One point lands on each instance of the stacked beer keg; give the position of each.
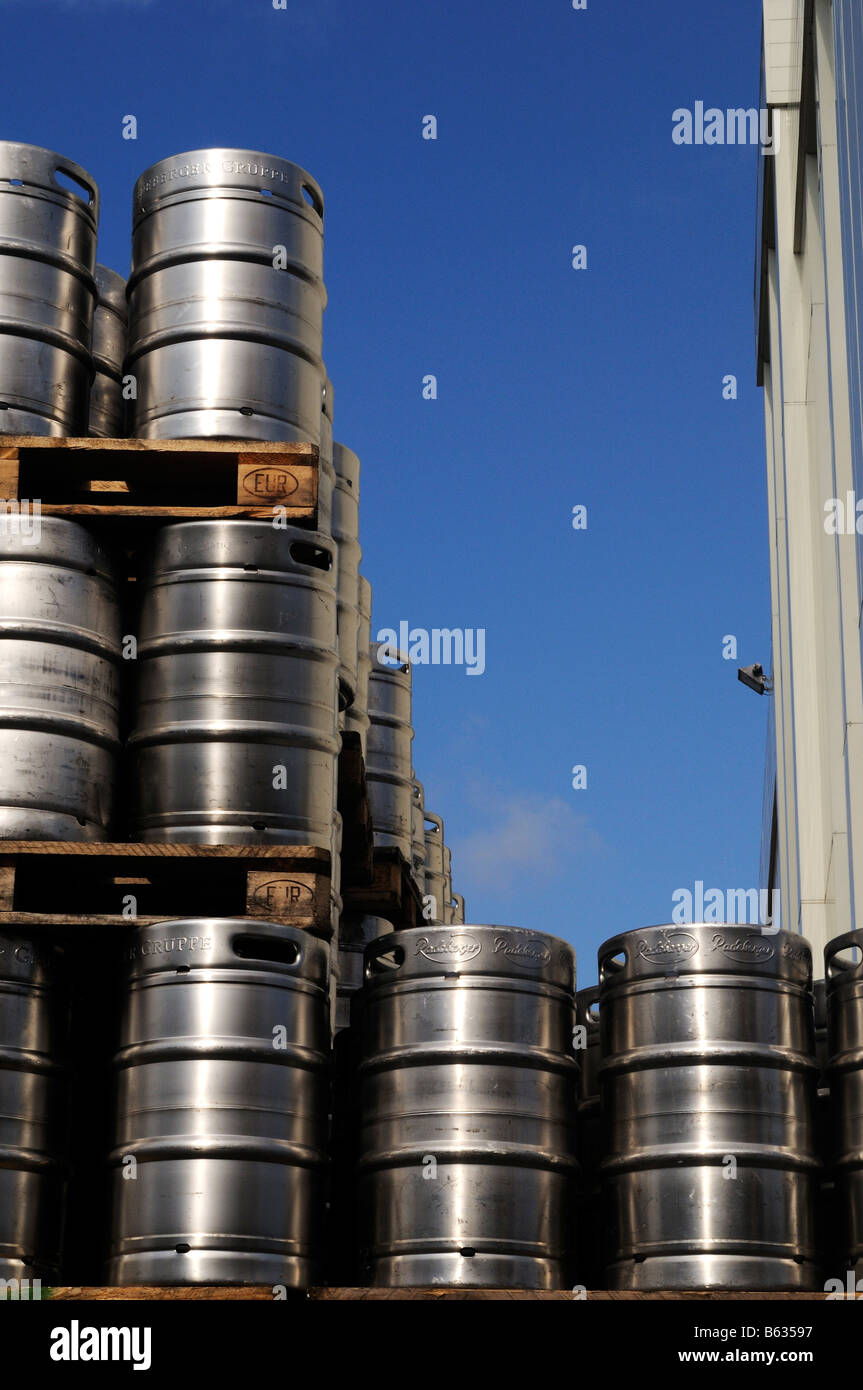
(467, 1105)
(250, 653)
(708, 1081)
(844, 971)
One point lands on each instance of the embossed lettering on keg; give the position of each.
(48, 235)
(222, 1104)
(346, 530)
(226, 298)
(59, 699)
(110, 331)
(388, 761)
(467, 1063)
(234, 736)
(33, 1103)
(844, 972)
(435, 875)
(356, 717)
(707, 1060)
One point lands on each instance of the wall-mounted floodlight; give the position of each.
(754, 677)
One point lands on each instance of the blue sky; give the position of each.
(556, 387)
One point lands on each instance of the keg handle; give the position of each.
(78, 184)
(375, 965)
(257, 944)
(612, 963)
(836, 967)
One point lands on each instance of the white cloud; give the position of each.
(527, 838)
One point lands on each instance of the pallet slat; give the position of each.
(151, 478)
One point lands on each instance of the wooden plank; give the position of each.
(7, 884)
(85, 849)
(452, 1295)
(163, 1293)
(298, 452)
(8, 472)
(191, 513)
(262, 479)
(296, 899)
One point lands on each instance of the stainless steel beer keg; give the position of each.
(467, 1108)
(388, 760)
(226, 298)
(355, 934)
(33, 1104)
(346, 530)
(221, 1112)
(589, 1127)
(326, 468)
(59, 699)
(844, 971)
(356, 717)
(110, 332)
(435, 876)
(708, 1093)
(234, 736)
(49, 217)
(418, 835)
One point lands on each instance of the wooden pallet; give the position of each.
(161, 479)
(47, 884)
(264, 1294)
(390, 892)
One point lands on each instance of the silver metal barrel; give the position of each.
(346, 531)
(326, 468)
(435, 875)
(844, 971)
(49, 217)
(355, 934)
(110, 332)
(234, 736)
(226, 298)
(221, 1112)
(33, 1102)
(357, 716)
(468, 1078)
(589, 1128)
(418, 836)
(708, 1094)
(59, 700)
(388, 759)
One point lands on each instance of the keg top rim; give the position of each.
(676, 948)
(463, 949)
(211, 942)
(63, 543)
(37, 167)
(288, 180)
